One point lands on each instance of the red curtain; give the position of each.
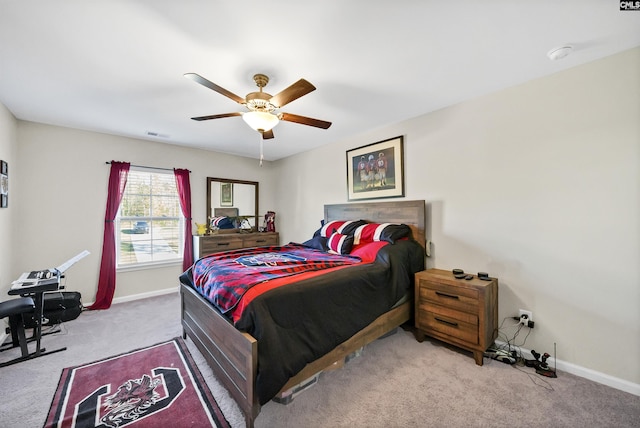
(184, 193)
(107, 279)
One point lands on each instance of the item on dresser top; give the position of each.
(270, 221)
(201, 228)
(221, 223)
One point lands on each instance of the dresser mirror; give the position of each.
(236, 199)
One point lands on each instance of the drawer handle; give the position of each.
(260, 240)
(452, 324)
(223, 244)
(450, 296)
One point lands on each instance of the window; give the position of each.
(149, 225)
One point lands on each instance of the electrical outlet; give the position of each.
(529, 318)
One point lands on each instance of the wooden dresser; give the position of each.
(208, 244)
(461, 312)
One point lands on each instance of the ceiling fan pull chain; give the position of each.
(261, 148)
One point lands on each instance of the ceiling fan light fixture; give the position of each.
(260, 121)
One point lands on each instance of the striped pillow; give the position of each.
(221, 223)
(340, 244)
(373, 232)
(345, 227)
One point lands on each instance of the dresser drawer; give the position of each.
(216, 245)
(463, 299)
(460, 325)
(260, 241)
(209, 244)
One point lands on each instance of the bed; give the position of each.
(234, 354)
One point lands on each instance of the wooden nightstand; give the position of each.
(461, 312)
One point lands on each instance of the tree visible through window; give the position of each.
(149, 224)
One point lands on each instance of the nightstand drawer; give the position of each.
(261, 241)
(443, 322)
(464, 299)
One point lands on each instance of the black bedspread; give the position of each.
(298, 323)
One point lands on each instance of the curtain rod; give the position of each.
(149, 167)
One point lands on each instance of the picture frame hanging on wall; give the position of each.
(4, 184)
(376, 170)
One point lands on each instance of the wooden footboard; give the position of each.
(231, 354)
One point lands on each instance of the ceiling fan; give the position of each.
(263, 108)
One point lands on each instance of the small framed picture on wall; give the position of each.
(4, 184)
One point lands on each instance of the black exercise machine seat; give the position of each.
(15, 309)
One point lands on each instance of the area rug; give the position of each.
(158, 386)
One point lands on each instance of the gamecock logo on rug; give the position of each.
(133, 400)
(156, 386)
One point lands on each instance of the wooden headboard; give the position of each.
(225, 212)
(411, 213)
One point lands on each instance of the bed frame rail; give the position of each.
(381, 326)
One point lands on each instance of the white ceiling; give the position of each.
(117, 66)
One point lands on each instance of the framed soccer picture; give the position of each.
(376, 170)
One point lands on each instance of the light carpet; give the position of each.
(396, 382)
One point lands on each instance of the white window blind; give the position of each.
(149, 224)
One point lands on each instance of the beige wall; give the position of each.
(539, 185)
(61, 191)
(8, 147)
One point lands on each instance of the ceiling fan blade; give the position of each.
(217, 116)
(293, 92)
(204, 82)
(304, 120)
(267, 135)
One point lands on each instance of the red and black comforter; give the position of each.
(297, 323)
(223, 278)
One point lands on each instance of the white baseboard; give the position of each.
(604, 379)
(139, 296)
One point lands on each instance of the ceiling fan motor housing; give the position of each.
(259, 101)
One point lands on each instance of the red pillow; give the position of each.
(367, 252)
